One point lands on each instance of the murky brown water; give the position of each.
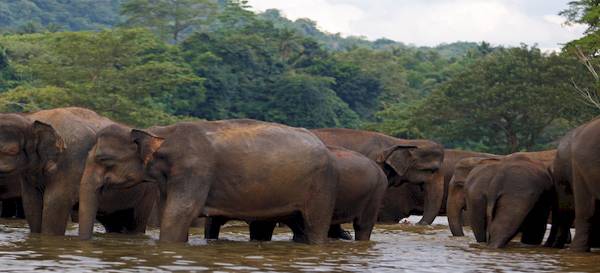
(395, 248)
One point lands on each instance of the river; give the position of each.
(394, 248)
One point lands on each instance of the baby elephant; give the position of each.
(360, 192)
(512, 196)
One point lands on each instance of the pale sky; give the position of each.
(431, 22)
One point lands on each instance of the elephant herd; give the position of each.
(72, 162)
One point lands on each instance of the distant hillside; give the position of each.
(21, 15)
(336, 42)
(75, 15)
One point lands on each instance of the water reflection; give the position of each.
(394, 248)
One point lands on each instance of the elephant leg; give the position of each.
(534, 227)
(32, 206)
(58, 203)
(363, 229)
(212, 227)
(337, 232)
(506, 221)
(262, 230)
(144, 208)
(154, 218)
(560, 233)
(476, 210)
(296, 224)
(584, 213)
(364, 223)
(177, 219)
(317, 214)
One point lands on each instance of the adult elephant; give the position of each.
(240, 169)
(577, 173)
(43, 155)
(45, 152)
(510, 195)
(408, 199)
(361, 187)
(412, 161)
(456, 202)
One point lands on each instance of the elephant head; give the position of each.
(456, 202)
(119, 159)
(417, 164)
(25, 146)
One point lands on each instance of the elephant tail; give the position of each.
(491, 206)
(494, 194)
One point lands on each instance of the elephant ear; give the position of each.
(398, 157)
(48, 145)
(147, 144)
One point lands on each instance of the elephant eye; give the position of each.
(106, 161)
(429, 170)
(12, 149)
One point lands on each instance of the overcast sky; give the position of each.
(431, 22)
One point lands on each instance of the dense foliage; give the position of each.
(33, 15)
(214, 59)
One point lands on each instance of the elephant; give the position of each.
(412, 161)
(408, 199)
(456, 190)
(401, 202)
(507, 196)
(451, 158)
(239, 169)
(576, 172)
(45, 152)
(361, 187)
(43, 160)
(456, 203)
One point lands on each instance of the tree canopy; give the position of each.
(147, 62)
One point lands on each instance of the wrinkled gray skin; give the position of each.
(577, 172)
(404, 161)
(456, 203)
(456, 193)
(239, 169)
(408, 199)
(360, 193)
(451, 158)
(362, 185)
(45, 151)
(510, 196)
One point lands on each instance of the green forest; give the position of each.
(145, 63)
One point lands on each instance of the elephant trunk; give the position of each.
(434, 195)
(88, 200)
(455, 206)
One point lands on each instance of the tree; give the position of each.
(308, 101)
(503, 102)
(587, 48)
(585, 12)
(170, 19)
(72, 15)
(128, 75)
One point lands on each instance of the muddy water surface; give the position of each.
(397, 248)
